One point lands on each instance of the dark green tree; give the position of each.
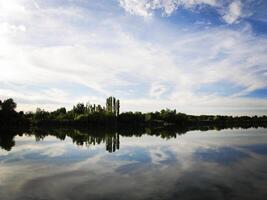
(79, 108)
(113, 105)
(41, 115)
(8, 105)
(109, 101)
(117, 107)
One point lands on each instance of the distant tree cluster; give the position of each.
(80, 114)
(113, 105)
(91, 114)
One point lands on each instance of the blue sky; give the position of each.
(197, 56)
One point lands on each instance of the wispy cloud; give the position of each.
(145, 8)
(230, 12)
(46, 47)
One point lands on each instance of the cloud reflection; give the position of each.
(199, 166)
(223, 155)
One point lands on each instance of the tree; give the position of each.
(41, 114)
(117, 107)
(79, 108)
(109, 104)
(58, 114)
(8, 105)
(113, 105)
(88, 108)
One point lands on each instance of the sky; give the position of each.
(195, 56)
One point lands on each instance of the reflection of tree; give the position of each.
(93, 136)
(113, 143)
(89, 137)
(83, 137)
(102, 135)
(7, 142)
(111, 140)
(7, 138)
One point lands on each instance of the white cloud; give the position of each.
(234, 12)
(11, 7)
(136, 7)
(145, 8)
(54, 152)
(107, 54)
(9, 28)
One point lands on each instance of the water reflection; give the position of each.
(96, 136)
(144, 164)
(223, 156)
(258, 149)
(87, 137)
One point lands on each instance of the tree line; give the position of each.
(80, 114)
(109, 115)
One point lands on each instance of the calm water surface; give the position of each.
(227, 164)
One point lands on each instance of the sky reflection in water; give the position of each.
(228, 164)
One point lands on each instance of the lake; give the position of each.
(71, 164)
